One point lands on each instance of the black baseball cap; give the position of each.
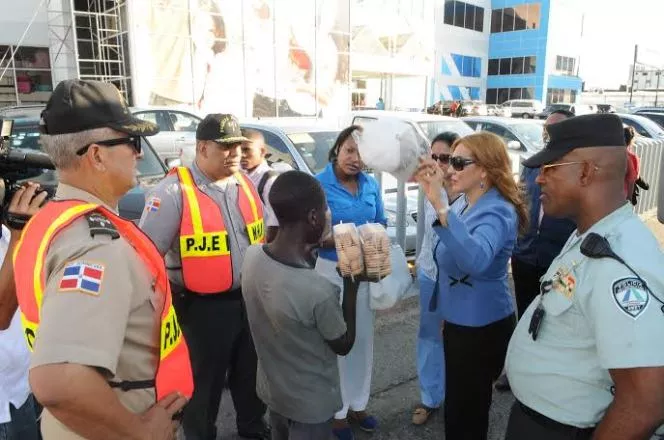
(222, 128)
(594, 130)
(77, 105)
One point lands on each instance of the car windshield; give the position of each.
(433, 128)
(314, 147)
(531, 134)
(25, 134)
(650, 125)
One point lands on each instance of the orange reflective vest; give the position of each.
(174, 367)
(204, 246)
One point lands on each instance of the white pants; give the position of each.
(356, 367)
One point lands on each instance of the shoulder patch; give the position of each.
(82, 276)
(631, 296)
(153, 204)
(99, 224)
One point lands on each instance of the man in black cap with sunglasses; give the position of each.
(203, 218)
(587, 358)
(90, 286)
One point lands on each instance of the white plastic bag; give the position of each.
(386, 293)
(349, 249)
(390, 145)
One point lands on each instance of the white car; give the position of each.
(177, 132)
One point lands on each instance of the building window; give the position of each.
(500, 95)
(565, 65)
(464, 15)
(517, 18)
(512, 66)
(27, 79)
(555, 96)
(468, 66)
(457, 93)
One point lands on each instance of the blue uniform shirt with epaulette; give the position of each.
(598, 316)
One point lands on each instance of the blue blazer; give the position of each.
(472, 256)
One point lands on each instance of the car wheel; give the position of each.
(525, 116)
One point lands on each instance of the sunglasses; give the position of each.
(459, 163)
(442, 158)
(132, 141)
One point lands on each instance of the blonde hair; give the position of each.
(490, 152)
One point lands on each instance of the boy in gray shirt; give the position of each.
(296, 321)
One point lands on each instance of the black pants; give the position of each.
(217, 333)
(474, 358)
(526, 283)
(523, 426)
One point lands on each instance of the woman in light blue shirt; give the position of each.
(475, 244)
(430, 358)
(353, 197)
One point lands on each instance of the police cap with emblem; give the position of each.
(77, 105)
(222, 128)
(595, 130)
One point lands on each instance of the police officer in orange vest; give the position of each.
(203, 218)
(108, 356)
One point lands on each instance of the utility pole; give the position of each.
(636, 55)
(659, 74)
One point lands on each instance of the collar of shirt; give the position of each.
(327, 176)
(260, 169)
(68, 192)
(202, 180)
(602, 227)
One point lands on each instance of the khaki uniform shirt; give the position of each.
(116, 330)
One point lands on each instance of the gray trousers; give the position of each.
(287, 429)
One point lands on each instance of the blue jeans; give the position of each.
(23, 425)
(430, 353)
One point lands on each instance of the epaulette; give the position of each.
(99, 224)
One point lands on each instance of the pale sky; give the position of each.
(611, 29)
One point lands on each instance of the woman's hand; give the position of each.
(431, 180)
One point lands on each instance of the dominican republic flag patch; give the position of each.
(83, 277)
(153, 204)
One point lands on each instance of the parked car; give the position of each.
(151, 169)
(498, 110)
(474, 108)
(648, 110)
(605, 108)
(177, 131)
(643, 126)
(524, 108)
(304, 145)
(523, 138)
(654, 116)
(575, 109)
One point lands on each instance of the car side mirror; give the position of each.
(514, 145)
(173, 162)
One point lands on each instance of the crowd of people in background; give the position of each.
(230, 280)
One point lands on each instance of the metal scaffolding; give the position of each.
(89, 40)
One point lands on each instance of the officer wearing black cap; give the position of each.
(203, 218)
(88, 290)
(587, 357)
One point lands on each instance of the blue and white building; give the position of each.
(496, 50)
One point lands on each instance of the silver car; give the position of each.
(177, 131)
(304, 145)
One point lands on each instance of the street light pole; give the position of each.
(631, 87)
(659, 75)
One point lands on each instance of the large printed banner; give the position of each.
(248, 57)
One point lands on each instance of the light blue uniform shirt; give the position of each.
(425, 260)
(472, 259)
(598, 316)
(364, 207)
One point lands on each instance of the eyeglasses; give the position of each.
(132, 141)
(459, 163)
(442, 158)
(538, 314)
(544, 168)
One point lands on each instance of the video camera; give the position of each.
(17, 165)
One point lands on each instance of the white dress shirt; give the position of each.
(255, 176)
(14, 357)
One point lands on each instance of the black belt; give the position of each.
(128, 385)
(553, 425)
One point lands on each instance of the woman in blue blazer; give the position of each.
(476, 240)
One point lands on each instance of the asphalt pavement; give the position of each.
(394, 387)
